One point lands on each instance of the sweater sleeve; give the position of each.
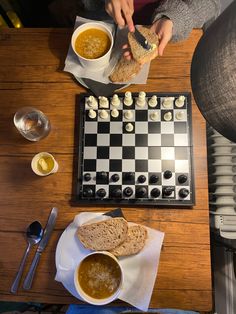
(187, 15)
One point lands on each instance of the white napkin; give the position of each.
(73, 65)
(140, 270)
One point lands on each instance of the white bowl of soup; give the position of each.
(92, 42)
(99, 278)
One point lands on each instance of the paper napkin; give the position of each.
(140, 270)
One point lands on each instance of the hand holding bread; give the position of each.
(126, 69)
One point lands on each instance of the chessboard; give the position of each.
(135, 149)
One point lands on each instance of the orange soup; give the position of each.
(99, 276)
(92, 43)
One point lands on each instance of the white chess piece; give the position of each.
(168, 102)
(179, 115)
(128, 114)
(180, 101)
(103, 102)
(129, 127)
(114, 113)
(103, 114)
(168, 116)
(128, 100)
(92, 114)
(141, 99)
(115, 101)
(92, 102)
(154, 115)
(152, 101)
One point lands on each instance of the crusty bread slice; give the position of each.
(125, 70)
(140, 54)
(134, 242)
(103, 235)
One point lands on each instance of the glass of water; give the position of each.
(32, 123)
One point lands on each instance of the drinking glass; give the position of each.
(32, 123)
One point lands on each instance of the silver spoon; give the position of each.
(34, 234)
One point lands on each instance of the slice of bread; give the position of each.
(134, 242)
(140, 54)
(103, 235)
(124, 70)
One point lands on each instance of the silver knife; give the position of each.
(141, 39)
(42, 244)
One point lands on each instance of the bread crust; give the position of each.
(140, 54)
(124, 70)
(134, 242)
(103, 235)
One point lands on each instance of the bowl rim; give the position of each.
(90, 299)
(79, 29)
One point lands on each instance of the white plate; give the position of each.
(69, 253)
(81, 81)
(138, 281)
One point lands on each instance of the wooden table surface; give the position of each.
(31, 63)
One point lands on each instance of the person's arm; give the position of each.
(187, 15)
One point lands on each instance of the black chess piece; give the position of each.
(167, 174)
(141, 178)
(155, 192)
(129, 176)
(183, 193)
(141, 192)
(101, 193)
(87, 177)
(116, 193)
(167, 191)
(115, 177)
(87, 192)
(182, 178)
(128, 191)
(102, 177)
(154, 178)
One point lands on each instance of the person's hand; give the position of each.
(121, 11)
(163, 28)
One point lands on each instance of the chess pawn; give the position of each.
(115, 113)
(154, 115)
(103, 102)
(168, 102)
(180, 101)
(129, 127)
(141, 99)
(115, 101)
(128, 115)
(168, 116)
(92, 102)
(103, 114)
(152, 101)
(128, 100)
(179, 115)
(92, 114)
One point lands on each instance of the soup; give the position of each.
(92, 43)
(99, 276)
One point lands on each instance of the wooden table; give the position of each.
(31, 63)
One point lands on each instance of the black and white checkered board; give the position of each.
(151, 165)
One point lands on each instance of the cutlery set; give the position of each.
(35, 234)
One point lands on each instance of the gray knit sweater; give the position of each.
(185, 14)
